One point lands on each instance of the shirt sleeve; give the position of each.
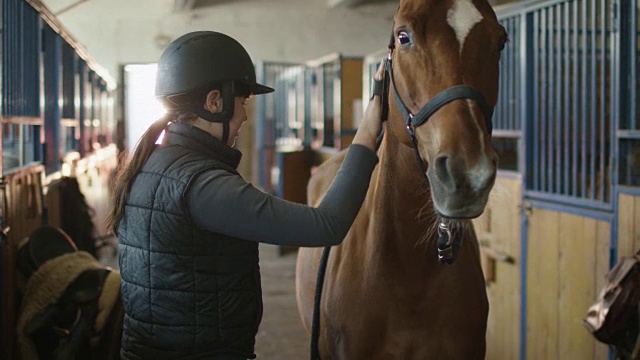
(224, 203)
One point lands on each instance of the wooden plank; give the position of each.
(248, 166)
(636, 222)
(24, 213)
(626, 227)
(603, 242)
(542, 285)
(350, 97)
(10, 303)
(577, 246)
(351, 90)
(501, 225)
(296, 171)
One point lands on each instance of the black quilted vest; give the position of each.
(186, 292)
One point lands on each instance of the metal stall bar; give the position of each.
(604, 108)
(82, 110)
(570, 142)
(542, 119)
(557, 144)
(549, 92)
(93, 111)
(585, 102)
(20, 72)
(330, 73)
(532, 148)
(506, 121)
(633, 69)
(505, 118)
(271, 116)
(575, 106)
(52, 89)
(566, 123)
(70, 98)
(628, 129)
(69, 81)
(20, 84)
(593, 100)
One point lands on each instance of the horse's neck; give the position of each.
(403, 217)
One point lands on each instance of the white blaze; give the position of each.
(462, 17)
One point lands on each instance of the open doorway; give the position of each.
(140, 105)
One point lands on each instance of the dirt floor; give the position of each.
(281, 335)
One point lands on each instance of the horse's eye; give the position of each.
(403, 38)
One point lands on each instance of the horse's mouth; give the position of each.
(460, 214)
(460, 217)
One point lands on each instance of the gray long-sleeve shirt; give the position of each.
(223, 202)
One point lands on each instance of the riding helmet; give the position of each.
(198, 59)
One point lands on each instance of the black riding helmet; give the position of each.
(197, 62)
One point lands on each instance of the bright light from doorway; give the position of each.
(141, 106)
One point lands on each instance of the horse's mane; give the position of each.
(76, 215)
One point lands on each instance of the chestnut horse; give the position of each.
(386, 295)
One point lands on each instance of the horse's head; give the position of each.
(436, 46)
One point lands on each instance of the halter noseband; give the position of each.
(447, 239)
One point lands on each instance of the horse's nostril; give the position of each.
(443, 172)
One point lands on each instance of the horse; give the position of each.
(76, 214)
(386, 294)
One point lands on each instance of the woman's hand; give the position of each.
(371, 124)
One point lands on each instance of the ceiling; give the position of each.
(135, 31)
(151, 7)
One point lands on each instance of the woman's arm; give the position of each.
(224, 203)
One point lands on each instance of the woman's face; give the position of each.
(239, 117)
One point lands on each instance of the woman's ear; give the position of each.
(213, 102)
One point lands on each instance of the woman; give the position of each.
(188, 225)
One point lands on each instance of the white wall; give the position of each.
(118, 32)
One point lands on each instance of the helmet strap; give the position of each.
(228, 105)
(225, 132)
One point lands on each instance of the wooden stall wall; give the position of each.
(567, 258)
(335, 95)
(628, 224)
(246, 144)
(350, 99)
(281, 123)
(41, 135)
(23, 214)
(498, 231)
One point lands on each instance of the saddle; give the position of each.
(63, 297)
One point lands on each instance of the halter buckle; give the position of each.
(410, 127)
(445, 243)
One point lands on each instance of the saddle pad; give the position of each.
(45, 287)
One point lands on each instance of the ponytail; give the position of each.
(128, 170)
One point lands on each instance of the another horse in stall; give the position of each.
(386, 296)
